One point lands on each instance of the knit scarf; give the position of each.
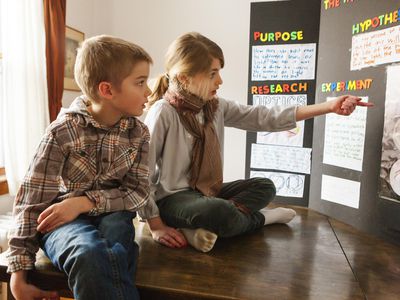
(206, 166)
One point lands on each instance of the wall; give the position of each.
(82, 15)
(154, 24)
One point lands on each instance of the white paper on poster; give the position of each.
(283, 62)
(344, 138)
(375, 48)
(293, 137)
(287, 184)
(292, 159)
(341, 191)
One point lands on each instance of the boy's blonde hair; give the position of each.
(189, 54)
(106, 58)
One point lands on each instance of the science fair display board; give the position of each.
(282, 68)
(345, 167)
(356, 159)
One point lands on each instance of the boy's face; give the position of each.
(206, 84)
(131, 97)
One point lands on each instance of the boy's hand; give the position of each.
(166, 235)
(24, 291)
(345, 105)
(63, 212)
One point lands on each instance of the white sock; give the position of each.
(278, 215)
(200, 239)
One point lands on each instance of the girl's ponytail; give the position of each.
(159, 89)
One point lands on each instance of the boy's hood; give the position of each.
(78, 106)
(79, 113)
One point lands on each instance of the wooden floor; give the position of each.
(314, 257)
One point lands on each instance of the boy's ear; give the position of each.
(105, 89)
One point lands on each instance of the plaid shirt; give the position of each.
(77, 156)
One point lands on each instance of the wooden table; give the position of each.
(314, 257)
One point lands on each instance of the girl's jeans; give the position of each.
(234, 211)
(98, 254)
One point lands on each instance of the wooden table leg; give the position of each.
(9, 294)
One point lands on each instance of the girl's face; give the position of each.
(205, 85)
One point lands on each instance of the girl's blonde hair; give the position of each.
(106, 58)
(190, 54)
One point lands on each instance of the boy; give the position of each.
(88, 178)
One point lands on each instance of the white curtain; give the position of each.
(1, 110)
(1, 89)
(24, 106)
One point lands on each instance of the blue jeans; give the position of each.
(234, 211)
(98, 254)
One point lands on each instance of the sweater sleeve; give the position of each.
(157, 128)
(258, 118)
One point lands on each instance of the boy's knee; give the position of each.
(93, 258)
(87, 254)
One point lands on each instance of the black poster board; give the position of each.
(283, 23)
(339, 25)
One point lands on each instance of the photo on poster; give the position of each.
(389, 187)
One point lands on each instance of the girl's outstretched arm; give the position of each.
(343, 105)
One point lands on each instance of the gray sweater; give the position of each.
(171, 144)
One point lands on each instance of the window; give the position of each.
(23, 41)
(3, 180)
(1, 125)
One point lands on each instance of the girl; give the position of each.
(186, 122)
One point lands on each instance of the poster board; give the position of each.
(282, 68)
(359, 53)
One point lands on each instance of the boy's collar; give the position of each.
(123, 124)
(86, 118)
